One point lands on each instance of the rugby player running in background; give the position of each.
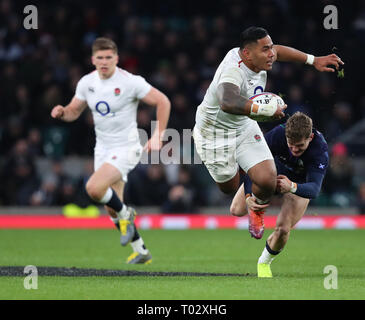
(301, 158)
(226, 134)
(113, 95)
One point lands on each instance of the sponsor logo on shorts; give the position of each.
(257, 137)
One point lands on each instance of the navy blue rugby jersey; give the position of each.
(307, 170)
(315, 158)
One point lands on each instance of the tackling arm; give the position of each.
(309, 189)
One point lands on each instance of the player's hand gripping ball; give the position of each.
(267, 106)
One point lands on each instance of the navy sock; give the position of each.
(271, 251)
(115, 202)
(136, 235)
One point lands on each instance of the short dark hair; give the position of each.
(298, 127)
(251, 35)
(104, 44)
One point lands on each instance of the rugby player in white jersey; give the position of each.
(226, 134)
(113, 95)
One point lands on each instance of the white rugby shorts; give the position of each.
(123, 158)
(222, 152)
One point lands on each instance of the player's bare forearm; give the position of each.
(156, 98)
(288, 54)
(63, 113)
(162, 115)
(162, 103)
(231, 101)
(69, 113)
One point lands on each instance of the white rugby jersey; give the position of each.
(113, 103)
(209, 115)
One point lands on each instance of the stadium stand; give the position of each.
(177, 47)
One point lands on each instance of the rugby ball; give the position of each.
(266, 98)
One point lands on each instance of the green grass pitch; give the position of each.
(298, 270)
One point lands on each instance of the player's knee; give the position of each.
(93, 191)
(236, 211)
(283, 231)
(231, 186)
(266, 181)
(267, 186)
(270, 179)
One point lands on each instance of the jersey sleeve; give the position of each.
(316, 171)
(319, 163)
(312, 187)
(140, 87)
(81, 90)
(232, 75)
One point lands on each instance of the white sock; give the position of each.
(107, 196)
(266, 257)
(115, 220)
(124, 213)
(138, 246)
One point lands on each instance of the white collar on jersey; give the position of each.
(243, 66)
(111, 77)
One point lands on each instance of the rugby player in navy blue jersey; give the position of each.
(301, 157)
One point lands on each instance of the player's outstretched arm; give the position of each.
(288, 54)
(322, 63)
(232, 102)
(156, 98)
(71, 112)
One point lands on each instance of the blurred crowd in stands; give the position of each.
(176, 46)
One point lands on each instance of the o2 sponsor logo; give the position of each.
(258, 89)
(103, 108)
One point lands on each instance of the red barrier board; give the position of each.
(159, 221)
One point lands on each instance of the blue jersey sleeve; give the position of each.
(312, 187)
(314, 178)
